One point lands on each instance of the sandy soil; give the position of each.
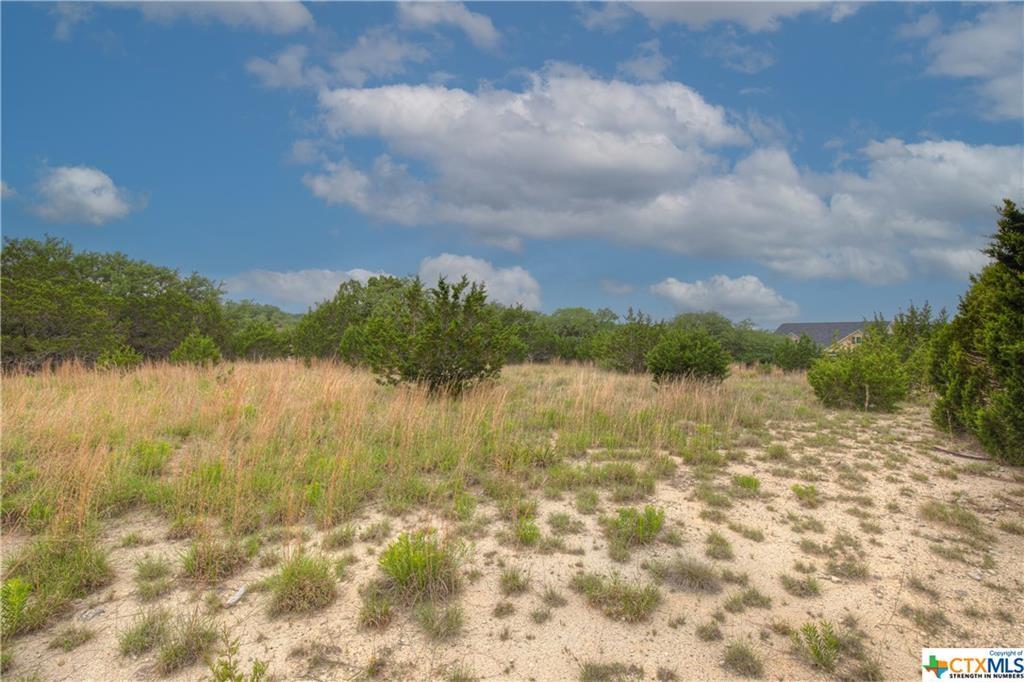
(330, 645)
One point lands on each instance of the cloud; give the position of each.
(610, 16)
(293, 289)
(989, 51)
(648, 64)
(376, 54)
(509, 286)
(737, 298)
(6, 191)
(69, 15)
(616, 288)
(267, 17)
(80, 194)
(751, 16)
(571, 155)
(953, 262)
(477, 27)
(738, 56)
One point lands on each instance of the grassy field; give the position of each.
(562, 522)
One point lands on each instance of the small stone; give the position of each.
(89, 614)
(236, 597)
(974, 575)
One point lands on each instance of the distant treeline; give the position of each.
(60, 304)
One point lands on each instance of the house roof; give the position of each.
(822, 333)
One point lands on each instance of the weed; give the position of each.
(340, 537)
(418, 566)
(210, 560)
(514, 581)
(525, 532)
(440, 623)
(226, 667)
(565, 524)
(741, 659)
(819, 643)
(807, 495)
(931, 620)
(540, 616)
(586, 501)
(748, 598)
(552, 598)
(146, 631)
(375, 611)
(749, 533)
(709, 632)
(632, 527)
(746, 485)
(777, 452)
(686, 574)
(503, 609)
(377, 532)
(616, 598)
(304, 583)
(801, 587)
(718, 547)
(953, 516)
(190, 641)
(610, 672)
(71, 637)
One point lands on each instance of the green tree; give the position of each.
(625, 346)
(319, 333)
(688, 354)
(977, 363)
(796, 355)
(868, 376)
(196, 349)
(446, 338)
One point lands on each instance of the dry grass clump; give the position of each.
(304, 583)
(686, 574)
(617, 599)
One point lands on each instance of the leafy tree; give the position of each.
(796, 355)
(576, 329)
(51, 310)
(911, 336)
(122, 357)
(196, 349)
(690, 354)
(625, 346)
(446, 338)
(319, 333)
(977, 363)
(868, 376)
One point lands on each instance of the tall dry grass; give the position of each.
(284, 442)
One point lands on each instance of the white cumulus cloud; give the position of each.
(752, 16)
(80, 194)
(283, 16)
(744, 297)
(648, 64)
(509, 286)
(572, 155)
(478, 27)
(988, 51)
(294, 289)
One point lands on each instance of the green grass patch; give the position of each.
(616, 598)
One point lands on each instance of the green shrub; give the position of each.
(688, 354)
(820, 643)
(624, 347)
(196, 349)
(420, 567)
(13, 600)
(304, 583)
(119, 357)
(618, 599)
(633, 527)
(977, 362)
(867, 376)
(190, 641)
(446, 338)
(792, 355)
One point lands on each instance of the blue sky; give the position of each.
(775, 161)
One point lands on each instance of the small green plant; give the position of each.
(227, 668)
(152, 577)
(526, 532)
(686, 573)
(210, 560)
(586, 501)
(196, 349)
(503, 609)
(13, 599)
(440, 623)
(616, 598)
(71, 637)
(632, 527)
(718, 547)
(748, 598)
(375, 611)
(709, 632)
(741, 659)
(419, 566)
(146, 631)
(304, 583)
(514, 581)
(564, 524)
(552, 598)
(806, 586)
(746, 485)
(807, 494)
(820, 643)
(340, 537)
(190, 640)
(592, 671)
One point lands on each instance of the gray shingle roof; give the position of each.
(822, 333)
